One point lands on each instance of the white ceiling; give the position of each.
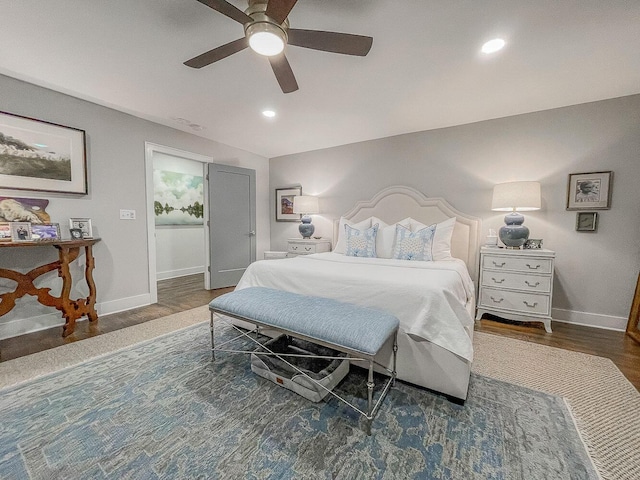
(423, 72)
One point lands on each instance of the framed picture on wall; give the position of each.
(589, 191)
(586, 221)
(284, 204)
(41, 156)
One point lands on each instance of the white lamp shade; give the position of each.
(305, 204)
(512, 196)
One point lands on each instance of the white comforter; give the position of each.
(427, 297)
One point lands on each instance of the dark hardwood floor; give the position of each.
(174, 295)
(184, 293)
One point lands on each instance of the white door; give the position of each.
(232, 223)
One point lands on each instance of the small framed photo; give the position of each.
(83, 224)
(586, 221)
(41, 232)
(5, 231)
(284, 204)
(533, 244)
(76, 233)
(20, 231)
(589, 191)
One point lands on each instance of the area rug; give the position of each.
(161, 409)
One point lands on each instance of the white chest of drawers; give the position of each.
(516, 284)
(301, 246)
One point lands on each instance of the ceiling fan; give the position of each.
(266, 30)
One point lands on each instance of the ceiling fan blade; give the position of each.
(279, 10)
(218, 53)
(283, 72)
(335, 42)
(227, 9)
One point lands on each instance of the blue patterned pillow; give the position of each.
(361, 243)
(414, 246)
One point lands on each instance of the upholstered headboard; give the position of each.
(392, 204)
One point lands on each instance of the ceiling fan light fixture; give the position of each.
(493, 46)
(266, 38)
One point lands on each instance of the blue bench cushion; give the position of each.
(358, 328)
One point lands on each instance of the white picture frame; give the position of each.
(589, 191)
(83, 224)
(20, 231)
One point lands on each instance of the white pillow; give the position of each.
(341, 244)
(441, 246)
(386, 237)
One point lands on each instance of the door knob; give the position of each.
(252, 233)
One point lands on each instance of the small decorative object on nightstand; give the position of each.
(301, 246)
(513, 197)
(306, 205)
(516, 284)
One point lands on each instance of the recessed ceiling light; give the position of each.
(493, 46)
(269, 113)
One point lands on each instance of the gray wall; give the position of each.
(115, 151)
(596, 273)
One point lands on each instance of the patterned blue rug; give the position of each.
(162, 410)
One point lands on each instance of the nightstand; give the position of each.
(516, 284)
(273, 255)
(302, 246)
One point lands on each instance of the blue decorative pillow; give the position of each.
(414, 245)
(361, 243)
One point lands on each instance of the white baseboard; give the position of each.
(181, 272)
(586, 319)
(21, 326)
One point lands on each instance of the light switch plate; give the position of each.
(127, 214)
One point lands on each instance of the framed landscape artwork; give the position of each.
(178, 198)
(284, 204)
(41, 156)
(589, 191)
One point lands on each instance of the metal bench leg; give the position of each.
(395, 357)
(213, 353)
(370, 386)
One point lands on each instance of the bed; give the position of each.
(434, 301)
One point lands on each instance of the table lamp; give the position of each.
(306, 205)
(514, 197)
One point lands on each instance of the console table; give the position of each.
(68, 251)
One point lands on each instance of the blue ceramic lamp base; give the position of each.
(514, 234)
(306, 228)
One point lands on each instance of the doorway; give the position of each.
(189, 234)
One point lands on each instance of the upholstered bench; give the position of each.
(357, 331)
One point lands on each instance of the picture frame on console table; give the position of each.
(589, 191)
(83, 224)
(20, 231)
(41, 156)
(5, 231)
(284, 204)
(42, 232)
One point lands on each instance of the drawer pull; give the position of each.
(532, 285)
(293, 247)
(499, 265)
(308, 249)
(496, 281)
(496, 301)
(533, 268)
(535, 304)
